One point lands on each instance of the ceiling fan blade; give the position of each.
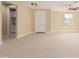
(76, 8)
(71, 9)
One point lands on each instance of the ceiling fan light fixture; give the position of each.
(73, 6)
(34, 4)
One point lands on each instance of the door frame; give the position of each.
(8, 20)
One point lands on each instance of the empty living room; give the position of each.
(39, 29)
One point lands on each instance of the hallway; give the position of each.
(56, 44)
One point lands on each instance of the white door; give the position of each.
(40, 21)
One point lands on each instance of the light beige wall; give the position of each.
(32, 21)
(4, 19)
(48, 20)
(24, 19)
(57, 20)
(0, 22)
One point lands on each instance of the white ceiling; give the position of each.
(54, 5)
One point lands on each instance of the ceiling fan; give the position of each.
(34, 4)
(73, 7)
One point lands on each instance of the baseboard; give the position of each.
(65, 30)
(24, 35)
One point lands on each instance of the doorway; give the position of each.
(9, 12)
(12, 21)
(41, 21)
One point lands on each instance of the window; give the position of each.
(67, 18)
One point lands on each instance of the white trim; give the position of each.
(8, 21)
(23, 35)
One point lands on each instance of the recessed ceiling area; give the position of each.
(8, 4)
(53, 5)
